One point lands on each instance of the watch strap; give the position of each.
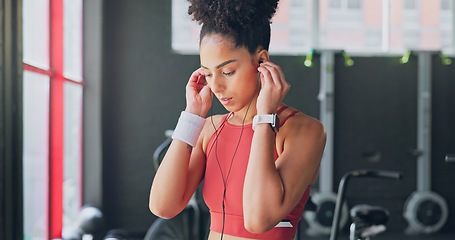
(272, 119)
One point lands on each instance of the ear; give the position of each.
(262, 54)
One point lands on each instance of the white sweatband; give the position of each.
(188, 128)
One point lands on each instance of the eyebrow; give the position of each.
(222, 64)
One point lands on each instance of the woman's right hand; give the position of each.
(198, 94)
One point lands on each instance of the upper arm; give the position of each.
(299, 161)
(196, 168)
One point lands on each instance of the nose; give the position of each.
(217, 84)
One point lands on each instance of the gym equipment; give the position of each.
(187, 224)
(320, 221)
(90, 220)
(89, 223)
(162, 148)
(425, 211)
(367, 220)
(116, 234)
(72, 233)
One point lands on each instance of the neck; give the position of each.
(245, 114)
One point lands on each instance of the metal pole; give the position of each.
(11, 121)
(326, 98)
(315, 25)
(424, 122)
(93, 76)
(385, 25)
(453, 27)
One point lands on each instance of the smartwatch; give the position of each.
(272, 119)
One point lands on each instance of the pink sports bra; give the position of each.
(228, 137)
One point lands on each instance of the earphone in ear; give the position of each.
(260, 61)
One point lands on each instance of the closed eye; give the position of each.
(229, 73)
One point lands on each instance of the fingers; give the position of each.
(201, 80)
(206, 93)
(198, 94)
(272, 74)
(277, 71)
(199, 83)
(197, 78)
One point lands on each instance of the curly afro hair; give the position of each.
(246, 21)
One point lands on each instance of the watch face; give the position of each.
(276, 121)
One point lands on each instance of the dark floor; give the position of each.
(397, 235)
(389, 235)
(384, 236)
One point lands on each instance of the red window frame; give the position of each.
(56, 117)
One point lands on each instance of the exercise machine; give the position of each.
(425, 211)
(89, 225)
(186, 225)
(368, 221)
(320, 221)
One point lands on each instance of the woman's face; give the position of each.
(231, 73)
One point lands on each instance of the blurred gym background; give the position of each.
(89, 87)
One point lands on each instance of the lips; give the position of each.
(225, 101)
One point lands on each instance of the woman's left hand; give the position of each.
(273, 88)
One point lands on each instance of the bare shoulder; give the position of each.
(307, 124)
(301, 128)
(300, 122)
(211, 123)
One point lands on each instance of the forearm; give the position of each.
(181, 170)
(263, 187)
(170, 185)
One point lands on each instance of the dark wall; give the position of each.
(143, 95)
(11, 121)
(375, 128)
(375, 110)
(443, 133)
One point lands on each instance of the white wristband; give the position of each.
(188, 128)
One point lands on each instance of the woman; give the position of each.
(257, 170)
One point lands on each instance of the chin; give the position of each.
(229, 109)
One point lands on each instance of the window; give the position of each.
(365, 26)
(334, 3)
(52, 110)
(354, 4)
(349, 25)
(446, 20)
(291, 28)
(421, 26)
(345, 4)
(410, 5)
(445, 4)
